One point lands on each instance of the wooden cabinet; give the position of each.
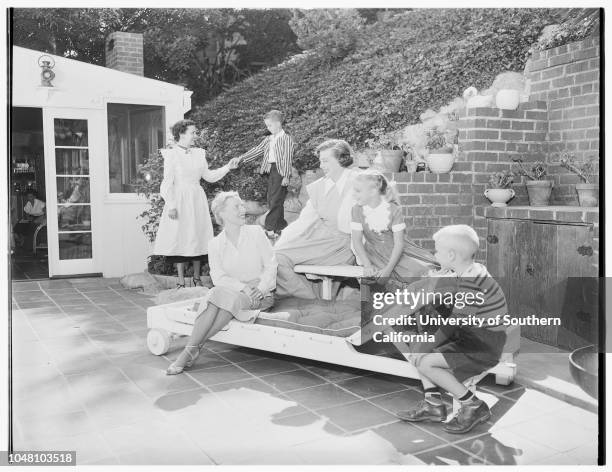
(547, 269)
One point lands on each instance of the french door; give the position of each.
(71, 146)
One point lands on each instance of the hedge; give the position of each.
(402, 65)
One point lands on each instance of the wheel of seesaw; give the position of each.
(158, 341)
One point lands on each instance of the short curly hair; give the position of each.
(218, 204)
(180, 127)
(342, 151)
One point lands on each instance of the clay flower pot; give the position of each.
(588, 195)
(389, 160)
(499, 196)
(539, 192)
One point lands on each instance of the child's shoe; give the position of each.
(424, 411)
(469, 415)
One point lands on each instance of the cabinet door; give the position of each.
(508, 252)
(539, 282)
(579, 294)
(547, 269)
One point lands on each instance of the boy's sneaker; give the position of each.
(469, 415)
(424, 411)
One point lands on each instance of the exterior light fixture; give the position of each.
(46, 63)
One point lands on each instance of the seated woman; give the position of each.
(243, 270)
(322, 232)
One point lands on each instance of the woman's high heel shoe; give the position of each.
(191, 352)
(197, 282)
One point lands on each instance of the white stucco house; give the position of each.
(77, 138)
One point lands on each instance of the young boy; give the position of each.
(460, 351)
(277, 151)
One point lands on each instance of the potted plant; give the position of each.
(588, 192)
(389, 157)
(412, 140)
(441, 156)
(499, 191)
(509, 86)
(538, 188)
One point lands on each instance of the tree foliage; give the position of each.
(207, 50)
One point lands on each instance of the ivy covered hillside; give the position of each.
(357, 78)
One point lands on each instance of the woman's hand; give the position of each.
(285, 182)
(369, 271)
(234, 163)
(173, 214)
(254, 294)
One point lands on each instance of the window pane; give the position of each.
(74, 217)
(134, 133)
(73, 190)
(72, 161)
(70, 132)
(74, 246)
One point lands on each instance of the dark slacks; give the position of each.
(275, 219)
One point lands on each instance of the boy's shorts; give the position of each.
(471, 352)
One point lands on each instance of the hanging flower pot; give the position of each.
(539, 192)
(508, 99)
(588, 195)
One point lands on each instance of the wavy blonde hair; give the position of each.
(386, 188)
(218, 204)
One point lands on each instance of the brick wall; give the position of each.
(562, 114)
(124, 52)
(567, 78)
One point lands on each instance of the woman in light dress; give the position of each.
(322, 233)
(243, 270)
(185, 226)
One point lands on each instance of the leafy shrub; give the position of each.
(332, 34)
(403, 64)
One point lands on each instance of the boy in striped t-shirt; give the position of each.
(471, 343)
(276, 151)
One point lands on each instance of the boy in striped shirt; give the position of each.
(459, 351)
(277, 152)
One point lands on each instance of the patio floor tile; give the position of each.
(447, 455)
(205, 360)
(322, 396)
(218, 375)
(365, 448)
(370, 386)
(397, 401)
(406, 438)
(356, 416)
(242, 355)
(61, 424)
(268, 366)
(506, 448)
(293, 380)
(154, 382)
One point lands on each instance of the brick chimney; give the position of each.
(124, 52)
